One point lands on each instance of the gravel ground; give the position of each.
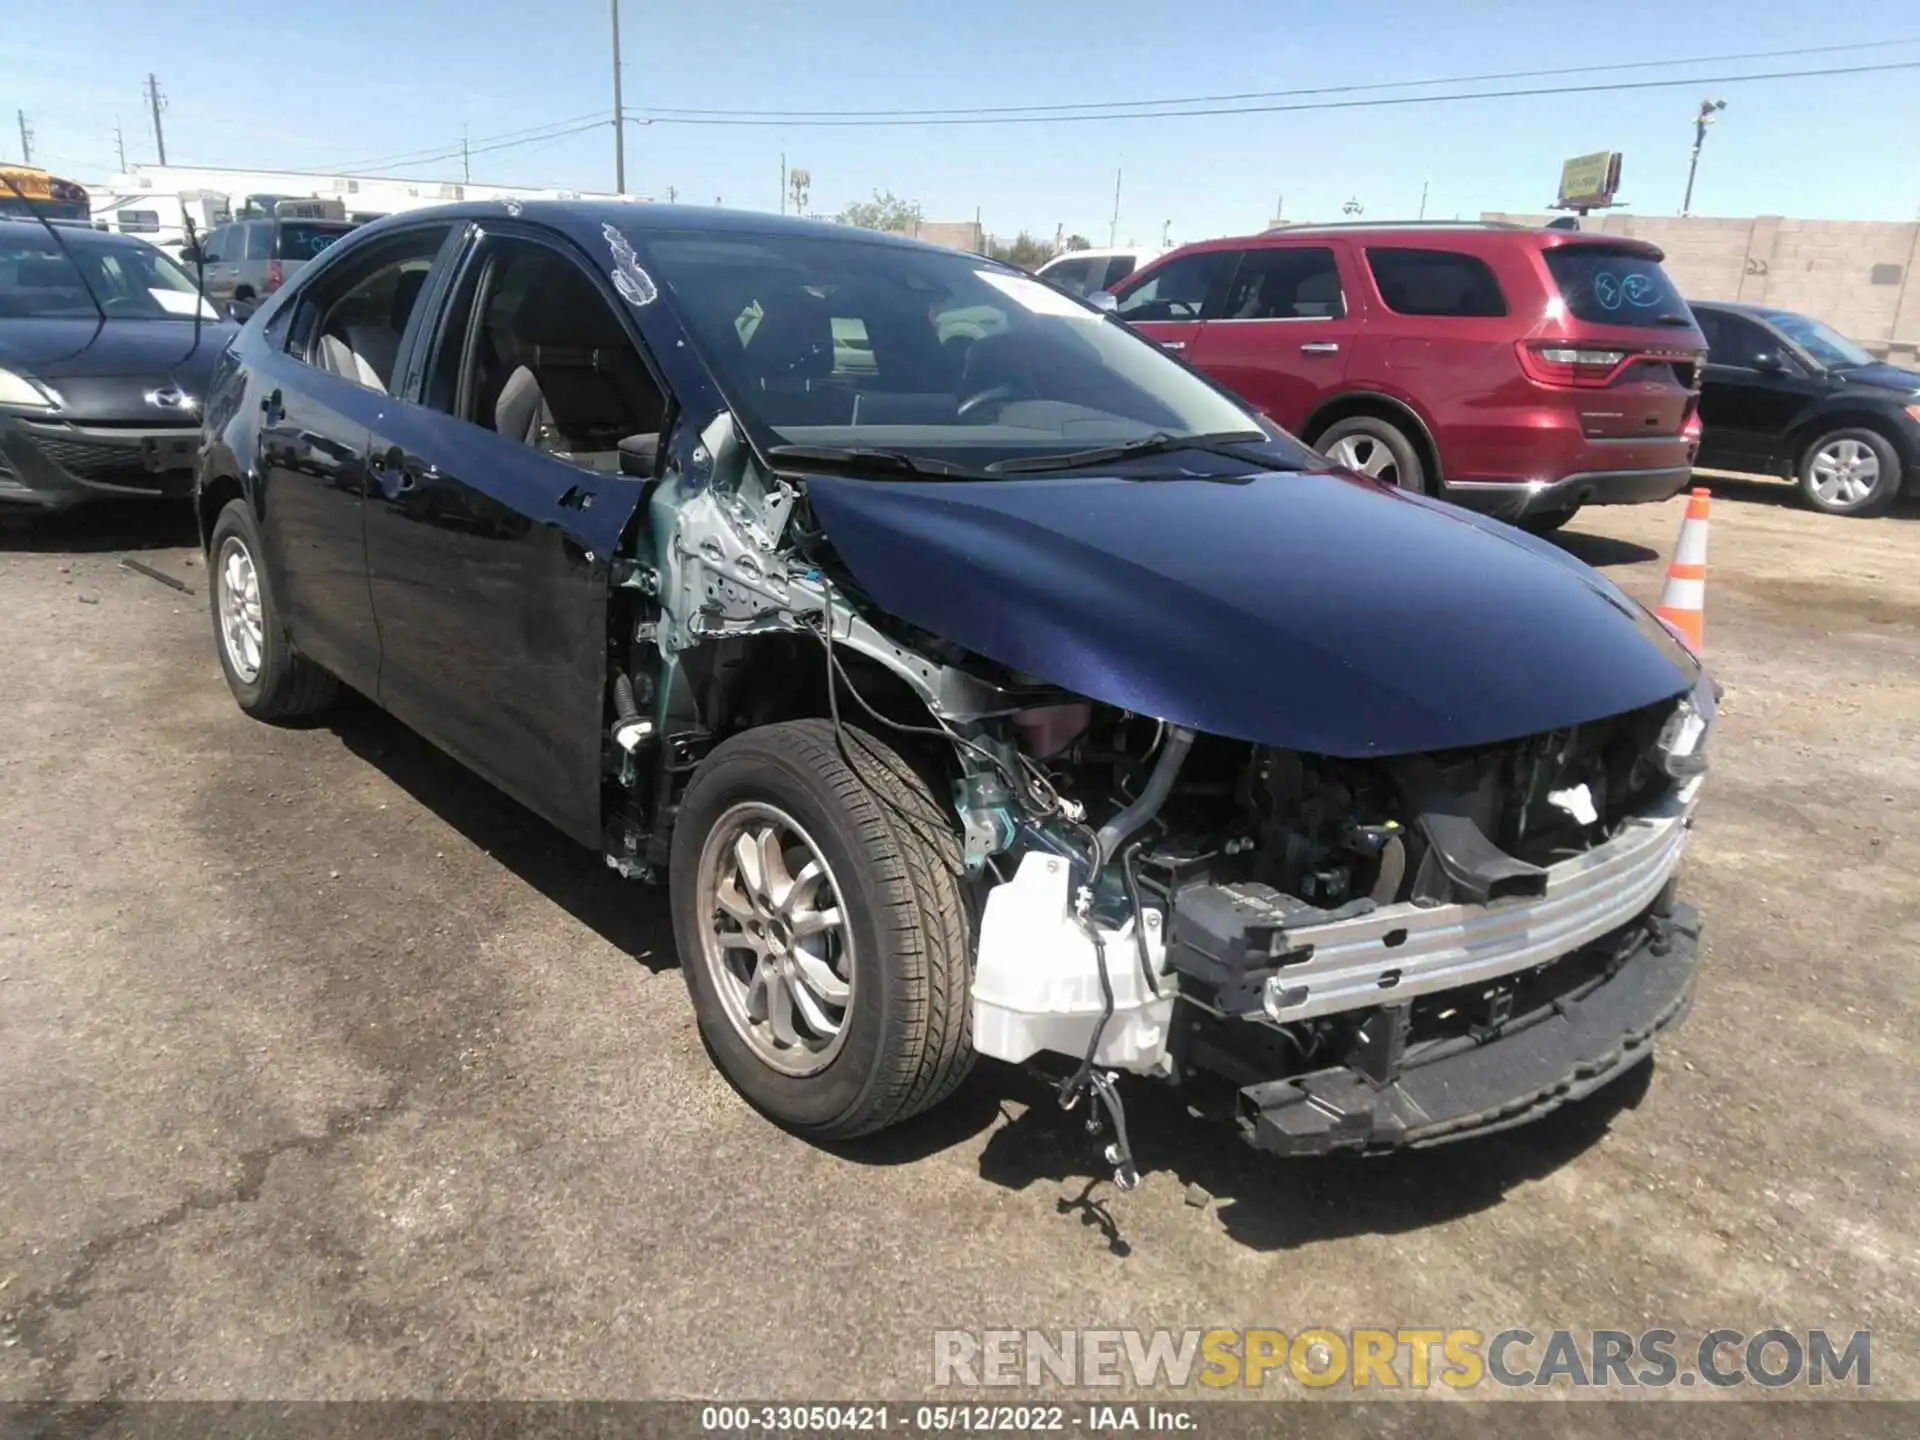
(325, 1071)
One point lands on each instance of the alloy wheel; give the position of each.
(774, 938)
(242, 628)
(1365, 455)
(1844, 473)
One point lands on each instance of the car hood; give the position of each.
(1882, 377)
(1318, 612)
(103, 370)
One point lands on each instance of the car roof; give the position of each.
(1758, 312)
(582, 219)
(1476, 235)
(73, 232)
(1105, 252)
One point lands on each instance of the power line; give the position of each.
(403, 157)
(905, 119)
(1799, 50)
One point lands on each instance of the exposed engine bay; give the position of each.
(1153, 900)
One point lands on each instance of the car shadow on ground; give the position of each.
(1268, 1203)
(625, 913)
(1602, 550)
(105, 526)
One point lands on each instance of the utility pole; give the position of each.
(466, 159)
(1113, 230)
(1700, 123)
(1423, 198)
(783, 182)
(120, 144)
(619, 114)
(26, 139)
(672, 194)
(157, 102)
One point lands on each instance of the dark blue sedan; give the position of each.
(980, 678)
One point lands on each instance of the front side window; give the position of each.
(1292, 283)
(128, 279)
(217, 245)
(352, 324)
(1071, 275)
(1435, 282)
(534, 351)
(1821, 341)
(964, 362)
(1118, 269)
(1604, 286)
(1177, 290)
(139, 222)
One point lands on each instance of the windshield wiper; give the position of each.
(1158, 443)
(865, 458)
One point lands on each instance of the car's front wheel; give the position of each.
(1850, 472)
(1368, 445)
(269, 678)
(821, 928)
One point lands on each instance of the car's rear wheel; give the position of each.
(1368, 445)
(269, 679)
(1850, 472)
(821, 929)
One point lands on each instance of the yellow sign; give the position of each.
(34, 184)
(1590, 179)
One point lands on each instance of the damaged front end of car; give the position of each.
(1355, 873)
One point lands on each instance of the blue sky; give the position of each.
(318, 86)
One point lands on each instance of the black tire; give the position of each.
(895, 860)
(1885, 484)
(1401, 465)
(285, 685)
(1547, 522)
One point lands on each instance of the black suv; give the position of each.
(1785, 394)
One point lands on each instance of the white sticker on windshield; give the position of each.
(1036, 297)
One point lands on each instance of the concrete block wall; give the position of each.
(1857, 275)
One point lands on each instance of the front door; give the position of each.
(498, 499)
(1169, 303)
(1751, 392)
(1283, 336)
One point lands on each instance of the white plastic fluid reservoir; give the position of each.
(1037, 983)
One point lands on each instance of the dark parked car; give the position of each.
(106, 349)
(998, 685)
(1522, 372)
(1788, 395)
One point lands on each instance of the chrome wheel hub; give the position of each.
(1364, 455)
(774, 938)
(1845, 472)
(237, 594)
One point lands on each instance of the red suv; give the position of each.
(1522, 372)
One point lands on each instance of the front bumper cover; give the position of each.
(53, 464)
(1469, 1085)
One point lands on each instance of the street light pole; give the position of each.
(619, 120)
(1700, 123)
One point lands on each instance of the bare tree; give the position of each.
(799, 182)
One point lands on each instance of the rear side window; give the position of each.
(1435, 282)
(1071, 275)
(1118, 269)
(1295, 283)
(304, 240)
(1615, 287)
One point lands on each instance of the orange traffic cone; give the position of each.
(1683, 604)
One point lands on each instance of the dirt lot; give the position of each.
(327, 1072)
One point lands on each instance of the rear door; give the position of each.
(221, 253)
(1283, 334)
(1754, 388)
(1169, 302)
(498, 499)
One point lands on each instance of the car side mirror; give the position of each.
(1768, 363)
(1103, 300)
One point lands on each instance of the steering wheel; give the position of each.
(1002, 393)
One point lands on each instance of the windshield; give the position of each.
(938, 356)
(132, 281)
(1616, 287)
(1821, 341)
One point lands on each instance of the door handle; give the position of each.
(1173, 344)
(1320, 347)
